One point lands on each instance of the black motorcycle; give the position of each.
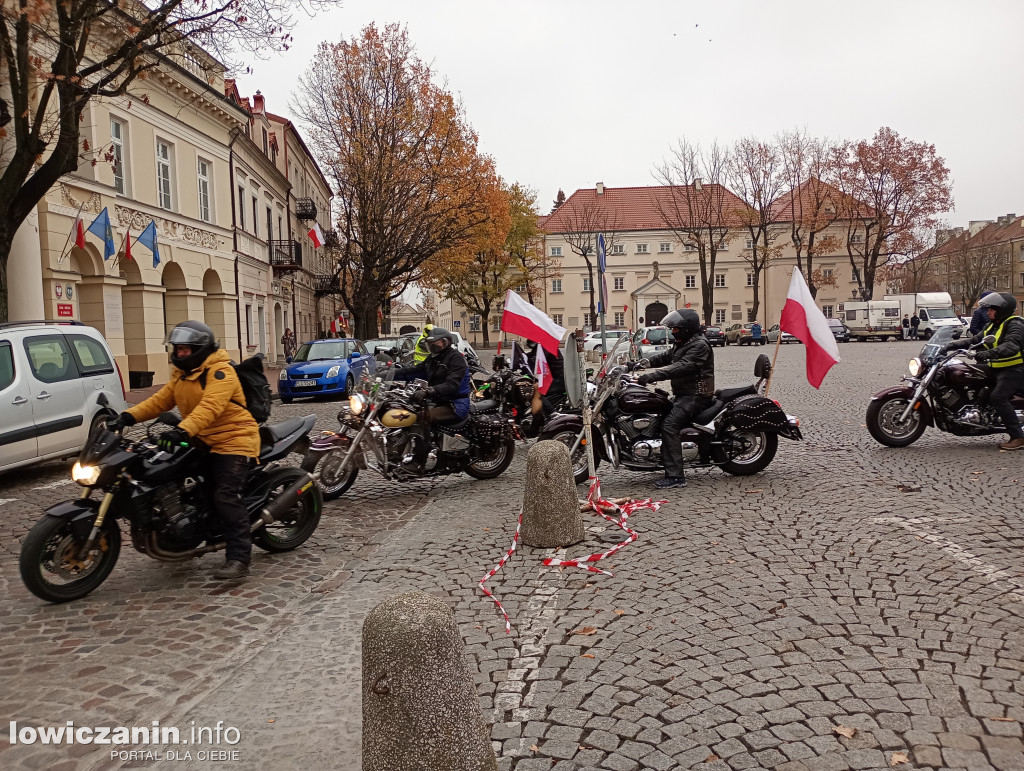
(379, 432)
(515, 395)
(739, 431)
(163, 497)
(943, 391)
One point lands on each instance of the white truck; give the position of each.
(872, 319)
(934, 309)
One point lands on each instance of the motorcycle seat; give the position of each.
(705, 416)
(486, 405)
(728, 394)
(454, 426)
(275, 433)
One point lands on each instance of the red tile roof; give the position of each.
(804, 198)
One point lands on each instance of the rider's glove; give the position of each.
(645, 379)
(631, 365)
(984, 355)
(173, 438)
(121, 422)
(418, 396)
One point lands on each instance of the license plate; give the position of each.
(304, 383)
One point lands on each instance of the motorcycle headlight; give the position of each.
(283, 375)
(356, 403)
(333, 371)
(915, 367)
(85, 475)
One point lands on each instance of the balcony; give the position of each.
(305, 209)
(285, 256)
(326, 285)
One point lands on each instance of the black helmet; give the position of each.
(686, 321)
(197, 335)
(1004, 304)
(436, 338)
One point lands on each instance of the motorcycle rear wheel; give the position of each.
(580, 472)
(297, 524)
(48, 564)
(496, 464)
(883, 422)
(331, 483)
(758, 450)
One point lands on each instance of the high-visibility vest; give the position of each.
(1014, 360)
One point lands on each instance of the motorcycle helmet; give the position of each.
(682, 324)
(1004, 304)
(197, 335)
(436, 339)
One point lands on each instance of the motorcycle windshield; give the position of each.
(937, 342)
(617, 355)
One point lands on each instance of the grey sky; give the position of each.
(567, 93)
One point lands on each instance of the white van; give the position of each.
(54, 380)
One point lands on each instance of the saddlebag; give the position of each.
(488, 429)
(758, 413)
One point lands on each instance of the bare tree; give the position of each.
(975, 262)
(580, 224)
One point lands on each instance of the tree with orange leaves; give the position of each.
(409, 181)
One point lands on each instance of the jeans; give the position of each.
(1009, 381)
(227, 477)
(681, 416)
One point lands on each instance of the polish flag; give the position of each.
(128, 245)
(522, 318)
(542, 372)
(805, 321)
(316, 235)
(79, 233)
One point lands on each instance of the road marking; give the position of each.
(917, 526)
(52, 485)
(6, 500)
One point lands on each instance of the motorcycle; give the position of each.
(943, 391)
(377, 434)
(739, 431)
(515, 395)
(163, 497)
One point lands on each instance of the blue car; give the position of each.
(324, 367)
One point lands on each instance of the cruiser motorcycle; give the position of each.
(515, 395)
(943, 391)
(739, 431)
(379, 431)
(162, 496)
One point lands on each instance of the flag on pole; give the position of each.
(542, 372)
(519, 362)
(805, 321)
(79, 232)
(128, 245)
(334, 327)
(602, 258)
(100, 228)
(522, 318)
(148, 239)
(316, 235)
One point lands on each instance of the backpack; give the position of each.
(255, 387)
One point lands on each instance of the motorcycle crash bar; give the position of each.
(285, 500)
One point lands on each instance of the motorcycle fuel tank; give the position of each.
(398, 418)
(963, 374)
(634, 400)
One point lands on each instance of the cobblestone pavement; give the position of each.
(850, 585)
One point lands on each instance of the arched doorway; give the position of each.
(654, 313)
(408, 329)
(176, 308)
(279, 327)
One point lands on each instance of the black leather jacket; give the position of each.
(690, 366)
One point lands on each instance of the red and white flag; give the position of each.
(79, 233)
(522, 318)
(334, 326)
(542, 372)
(805, 321)
(128, 244)
(316, 235)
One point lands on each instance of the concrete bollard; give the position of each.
(551, 509)
(420, 709)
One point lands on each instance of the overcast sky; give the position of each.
(567, 93)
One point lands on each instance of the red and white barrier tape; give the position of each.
(496, 568)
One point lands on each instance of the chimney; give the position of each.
(976, 226)
(698, 184)
(257, 101)
(600, 188)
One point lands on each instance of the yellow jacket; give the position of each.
(214, 414)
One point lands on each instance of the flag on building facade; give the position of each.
(100, 228)
(79, 232)
(542, 372)
(128, 245)
(526, 320)
(148, 239)
(802, 318)
(316, 235)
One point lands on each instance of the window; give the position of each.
(521, 288)
(586, 284)
(557, 318)
(90, 356)
(827, 310)
(1022, 279)
(203, 173)
(826, 272)
(719, 279)
(664, 246)
(749, 243)
(857, 238)
(248, 324)
(620, 283)
(891, 312)
(495, 323)
(6, 365)
(689, 247)
(474, 323)
(641, 248)
(587, 319)
(255, 217)
(241, 206)
(556, 251)
(750, 278)
(266, 143)
(620, 319)
(50, 359)
(719, 316)
(620, 249)
(164, 161)
(723, 246)
(556, 285)
(691, 281)
(119, 148)
(851, 315)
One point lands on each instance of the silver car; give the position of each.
(650, 341)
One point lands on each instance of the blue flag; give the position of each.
(148, 239)
(602, 262)
(100, 228)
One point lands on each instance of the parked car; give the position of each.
(464, 347)
(592, 342)
(380, 348)
(740, 334)
(839, 330)
(324, 367)
(57, 381)
(774, 332)
(650, 341)
(715, 335)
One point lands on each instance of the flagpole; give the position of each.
(73, 227)
(118, 258)
(778, 342)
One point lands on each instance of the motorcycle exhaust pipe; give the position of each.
(304, 485)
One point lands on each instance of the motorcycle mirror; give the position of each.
(988, 340)
(762, 366)
(168, 419)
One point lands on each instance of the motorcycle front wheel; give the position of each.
(494, 464)
(294, 526)
(333, 482)
(580, 472)
(51, 566)
(883, 421)
(748, 452)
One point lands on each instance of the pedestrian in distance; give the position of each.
(979, 319)
(906, 326)
(915, 322)
(755, 334)
(288, 343)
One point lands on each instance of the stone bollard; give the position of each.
(420, 709)
(551, 509)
